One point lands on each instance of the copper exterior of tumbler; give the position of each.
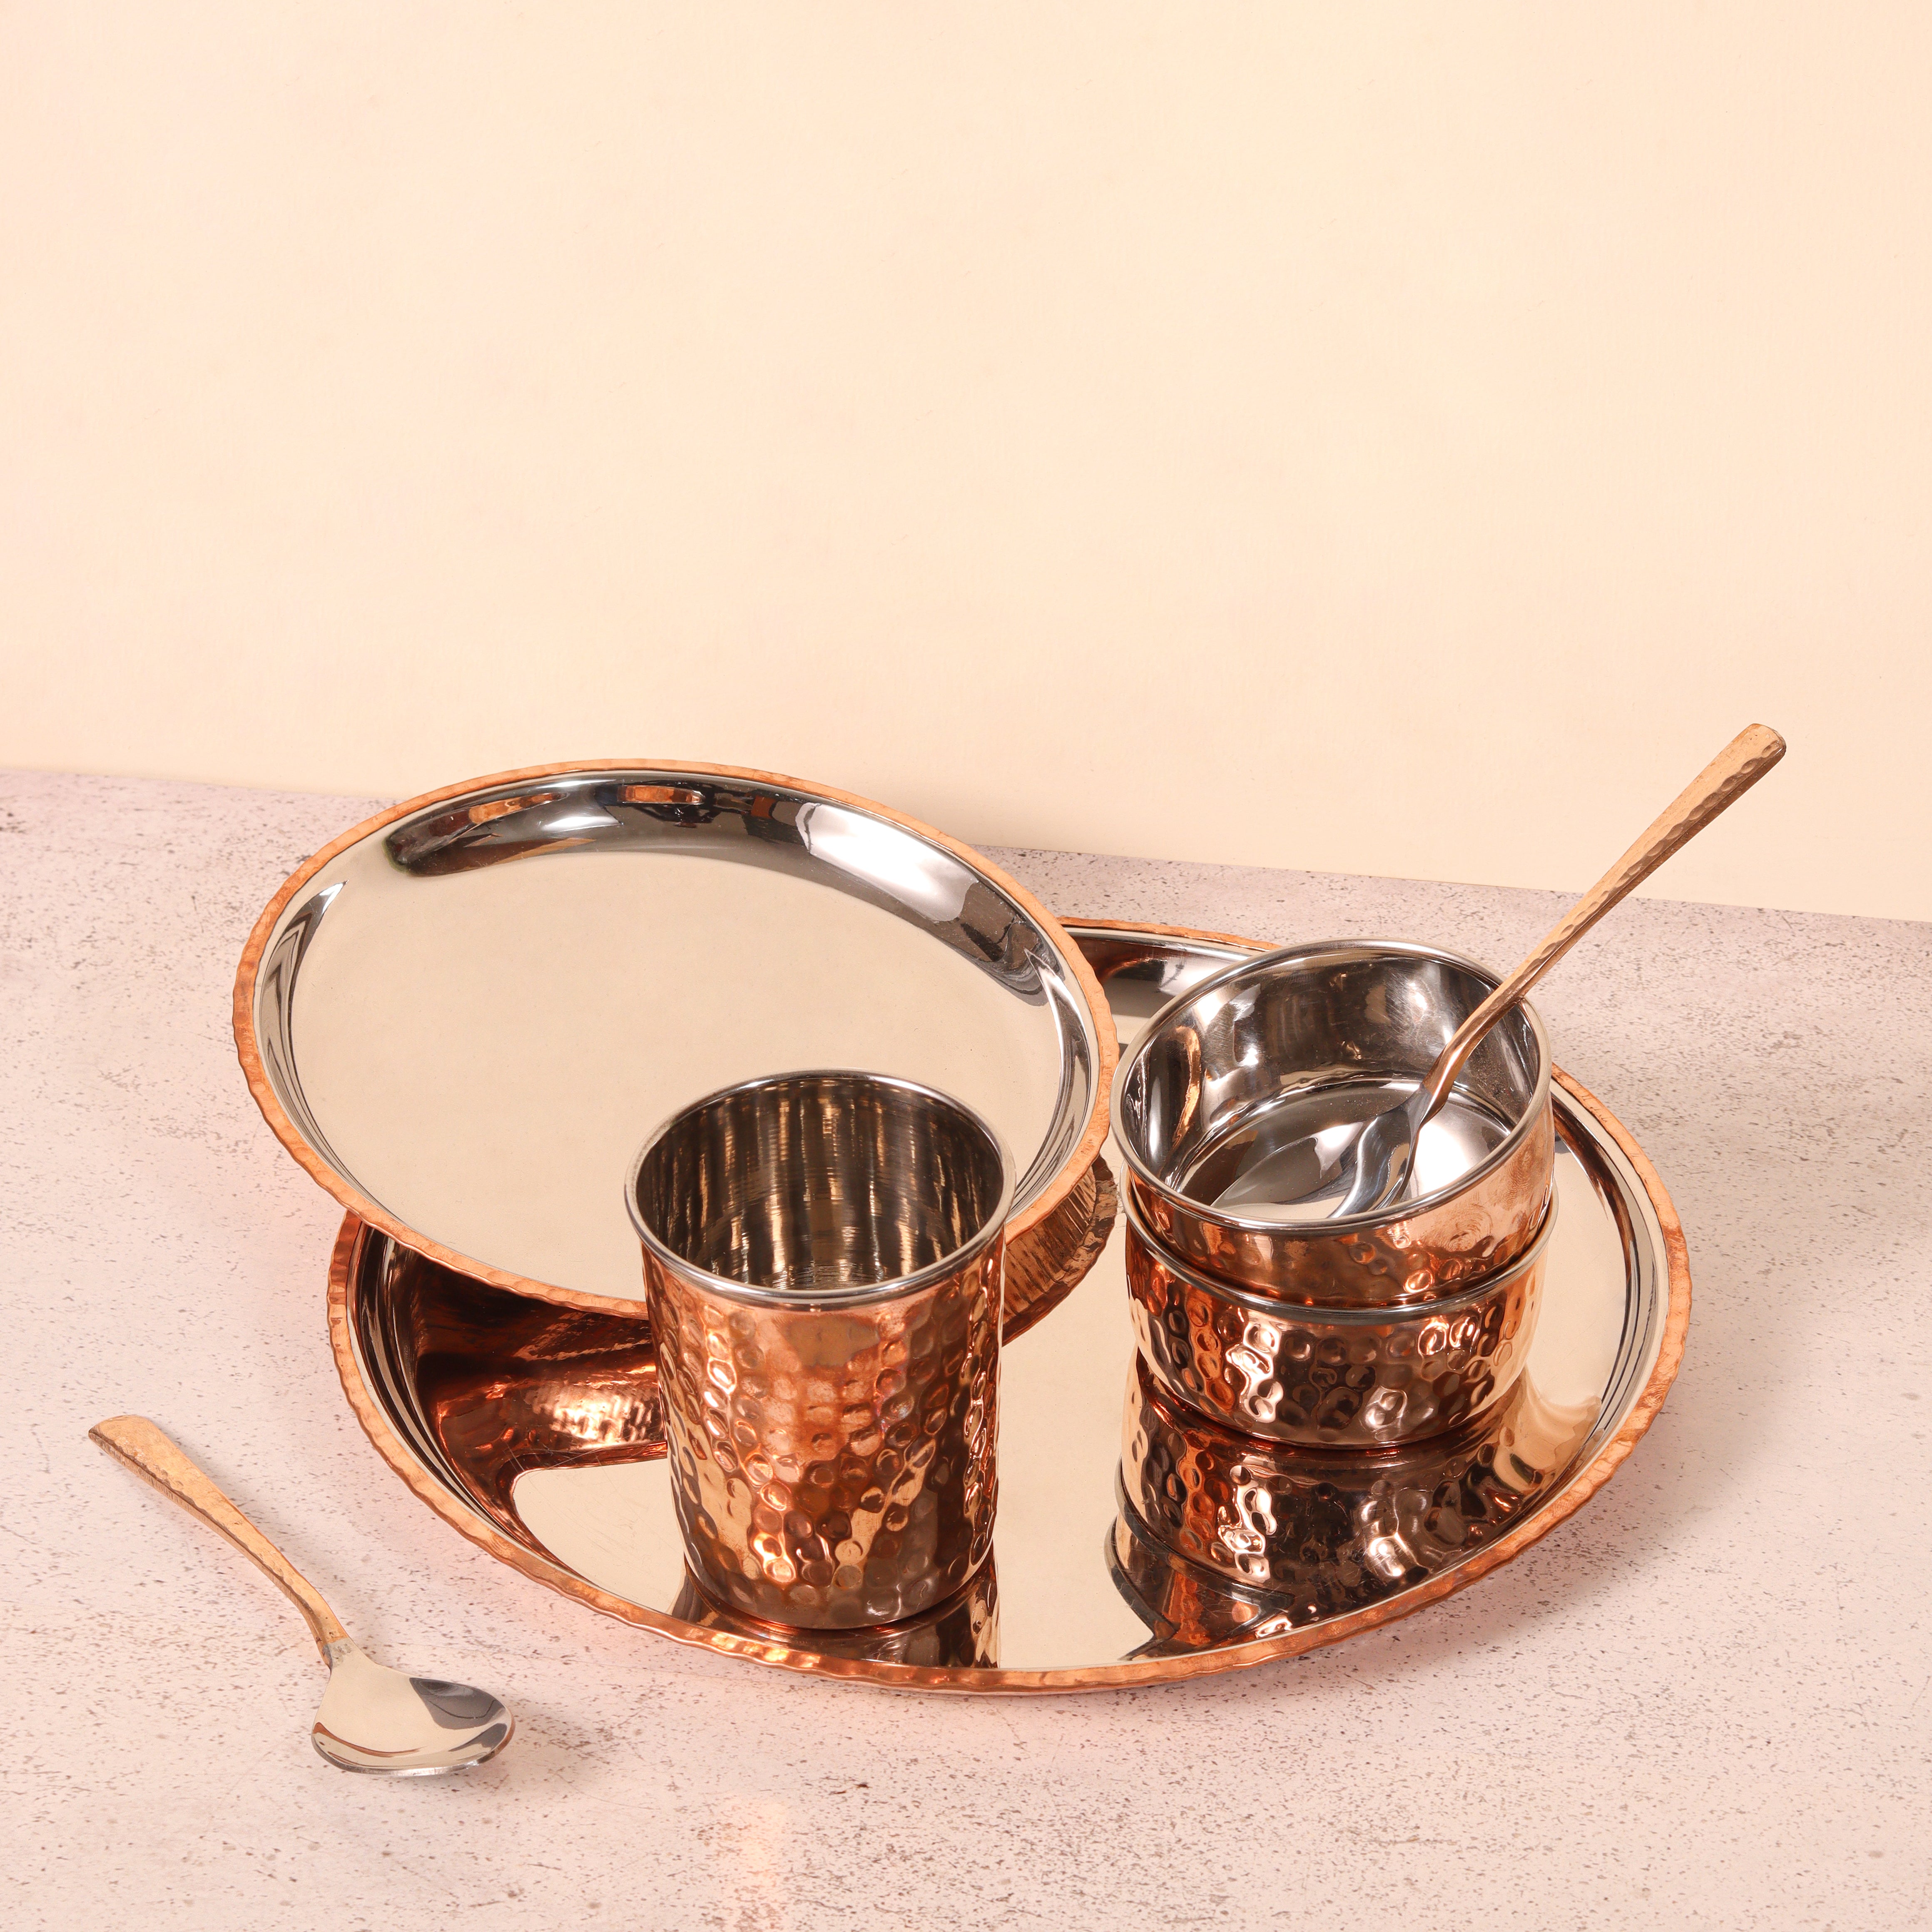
(823, 1260)
(1355, 1378)
(1336, 1030)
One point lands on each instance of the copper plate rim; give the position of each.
(1171, 1669)
(1092, 1209)
(1196, 935)
(1073, 1169)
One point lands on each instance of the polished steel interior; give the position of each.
(546, 1426)
(656, 934)
(821, 1186)
(1229, 1102)
(1261, 1055)
(379, 1721)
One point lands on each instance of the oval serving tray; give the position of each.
(462, 1016)
(535, 1431)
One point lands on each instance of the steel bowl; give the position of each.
(1360, 1378)
(1270, 1049)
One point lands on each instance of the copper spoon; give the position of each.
(372, 1718)
(1373, 1168)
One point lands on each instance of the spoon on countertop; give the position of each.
(372, 1718)
(1369, 1167)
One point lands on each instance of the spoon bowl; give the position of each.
(374, 1719)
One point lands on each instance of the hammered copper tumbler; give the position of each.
(822, 1265)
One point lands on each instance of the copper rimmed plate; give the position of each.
(463, 1016)
(534, 1430)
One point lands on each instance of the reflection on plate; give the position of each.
(1220, 1535)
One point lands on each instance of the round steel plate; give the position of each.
(464, 1015)
(535, 1432)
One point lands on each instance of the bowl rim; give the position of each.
(1142, 1171)
(1336, 1314)
(859, 1295)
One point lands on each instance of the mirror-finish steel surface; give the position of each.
(372, 1718)
(462, 1016)
(822, 1256)
(818, 1190)
(1328, 1377)
(572, 1488)
(1244, 1066)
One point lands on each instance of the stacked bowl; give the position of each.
(1260, 1313)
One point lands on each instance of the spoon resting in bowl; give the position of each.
(372, 1718)
(1369, 1169)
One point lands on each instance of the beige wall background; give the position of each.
(1403, 439)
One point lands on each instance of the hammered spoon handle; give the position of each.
(137, 1443)
(1719, 785)
(1378, 1165)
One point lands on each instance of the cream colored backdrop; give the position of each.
(1406, 439)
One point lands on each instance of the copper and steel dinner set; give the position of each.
(730, 1244)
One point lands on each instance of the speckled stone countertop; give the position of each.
(1706, 1699)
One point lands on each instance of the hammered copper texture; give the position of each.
(836, 1468)
(1417, 1257)
(1361, 1378)
(505, 1383)
(963, 1633)
(1309, 1534)
(1187, 1609)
